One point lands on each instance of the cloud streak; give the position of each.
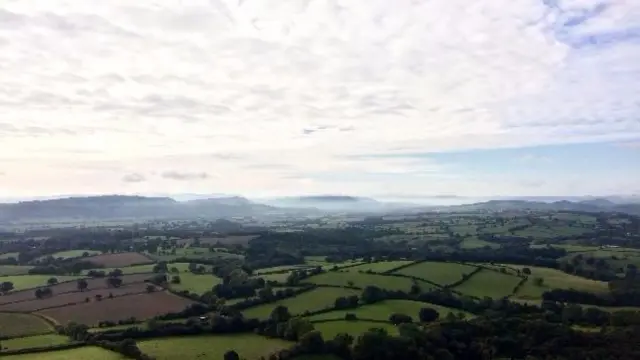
(305, 84)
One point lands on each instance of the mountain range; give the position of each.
(140, 207)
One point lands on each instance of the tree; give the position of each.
(113, 282)
(98, 297)
(85, 254)
(6, 286)
(116, 273)
(312, 342)
(82, 284)
(52, 281)
(398, 318)
(150, 288)
(526, 271)
(174, 270)
(231, 355)
(538, 281)
(428, 314)
(280, 314)
(175, 279)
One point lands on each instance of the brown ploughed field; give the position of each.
(119, 259)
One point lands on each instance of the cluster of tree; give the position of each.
(127, 347)
(627, 298)
(267, 295)
(63, 267)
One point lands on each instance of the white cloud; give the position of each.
(270, 95)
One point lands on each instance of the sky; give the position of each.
(358, 97)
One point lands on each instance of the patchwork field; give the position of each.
(379, 267)
(119, 259)
(556, 279)
(141, 307)
(439, 272)
(83, 353)
(248, 346)
(6, 270)
(361, 280)
(198, 284)
(316, 299)
(332, 328)
(34, 341)
(14, 324)
(383, 309)
(487, 283)
(21, 282)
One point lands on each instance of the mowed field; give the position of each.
(248, 346)
(361, 280)
(195, 283)
(142, 307)
(439, 272)
(330, 329)
(379, 267)
(15, 324)
(556, 279)
(66, 287)
(34, 341)
(83, 353)
(316, 299)
(21, 282)
(14, 270)
(488, 283)
(382, 311)
(119, 259)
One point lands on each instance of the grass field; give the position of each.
(383, 309)
(193, 254)
(281, 268)
(69, 254)
(380, 267)
(83, 353)
(361, 280)
(21, 282)
(313, 300)
(439, 272)
(332, 328)
(556, 279)
(6, 270)
(248, 346)
(198, 284)
(281, 278)
(15, 324)
(119, 259)
(489, 283)
(9, 255)
(475, 243)
(35, 341)
(141, 269)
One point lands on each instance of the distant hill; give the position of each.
(592, 205)
(119, 207)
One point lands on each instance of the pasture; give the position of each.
(487, 283)
(34, 341)
(330, 329)
(284, 268)
(15, 324)
(382, 310)
(6, 256)
(142, 307)
(195, 283)
(70, 254)
(6, 270)
(316, 299)
(22, 282)
(360, 280)
(556, 279)
(442, 273)
(280, 277)
(119, 260)
(379, 267)
(82, 353)
(248, 346)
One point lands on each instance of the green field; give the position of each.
(83, 353)
(16, 324)
(379, 267)
(361, 280)
(71, 254)
(332, 328)
(281, 278)
(141, 269)
(198, 284)
(556, 279)
(280, 268)
(383, 309)
(21, 282)
(316, 299)
(9, 255)
(34, 341)
(439, 272)
(193, 254)
(14, 270)
(475, 243)
(248, 346)
(487, 283)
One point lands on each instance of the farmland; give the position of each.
(248, 346)
(556, 279)
(15, 324)
(437, 272)
(6, 270)
(360, 280)
(330, 329)
(119, 260)
(380, 267)
(196, 283)
(382, 310)
(142, 306)
(317, 299)
(34, 341)
(487, 283)
(83, 353)
(72, 254)
(21, 282)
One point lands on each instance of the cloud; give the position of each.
(134, 178)
(305, 84)
(182, 176)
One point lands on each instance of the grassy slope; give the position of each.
(248, 346)
(379, 266)
(439, 272)
(15, 324)
(555, 279)
(489, 283)
(6, 270)
(361, 280)
(83, 353)
(35, 341)
(330, 329)
(196, 283)
(316, 299)
(21, 282)
(382, 310)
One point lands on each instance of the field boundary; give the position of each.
(355, 320)
(466, 278)
(388, 272)
(42, 349)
